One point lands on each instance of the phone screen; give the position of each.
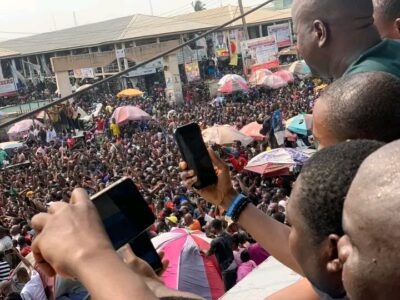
(194, 152)
(143, 248)
(124, 212)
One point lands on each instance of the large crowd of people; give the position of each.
(329, 223)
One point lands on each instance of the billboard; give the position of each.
(260, 53)
(84, 73)
(7, 87)
(192, 71)
(150, 68)
(220, 42)
(282, 33)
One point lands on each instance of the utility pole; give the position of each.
(151, 8)
(245, 31)
(75, 20)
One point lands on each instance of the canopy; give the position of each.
(21, 128)
(300, 68)
(275, 82)
(300, 124)
(253, 130)
(188, 270)
(130, 93)
(259, 76)
(276, 161)
(124, 114)
(232, 83)
(224, 135)
(285, 75)
(82, 87)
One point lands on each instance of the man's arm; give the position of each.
(298, 291)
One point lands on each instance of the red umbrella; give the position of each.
(253, 130)
(285, 75)
(275, 82)
(128, 113)
(232, 83)
(258, 77)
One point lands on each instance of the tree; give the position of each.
(198, 5)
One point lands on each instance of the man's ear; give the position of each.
(321, 33)
(333, 265)
(397, 25)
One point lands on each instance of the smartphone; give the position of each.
(194, 152)
(124, 212)
(143, 248)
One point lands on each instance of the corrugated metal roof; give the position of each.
(131, 27)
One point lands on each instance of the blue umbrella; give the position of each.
(300, 124)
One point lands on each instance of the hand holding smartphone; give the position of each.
(195, 154)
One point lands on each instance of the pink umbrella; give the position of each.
(128, 113)
(253, 130)
(275, 82)
(285, 75)
(259, 76)
(20, 129)
(232, 83)
(188, 269)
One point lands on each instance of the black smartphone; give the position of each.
(124, 212)
(194, 152)
(143, 248)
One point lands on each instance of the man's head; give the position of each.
(216, 226)
(370, 248)
(315, 211)
(387, 18)
(332, 34)
(188, 219)
(21, 242)
(364, 105)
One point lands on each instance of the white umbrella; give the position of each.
(225, 135)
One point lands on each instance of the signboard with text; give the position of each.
(7, 87)
(150, 68)
(84, 73)
(260, 52)
(192, 71)
(282, 33)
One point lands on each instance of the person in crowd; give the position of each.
(191, 223)
(221, 246)
(314, 212)
(363, 105)
(387, 18)
(5, 268)
(115, 131)
(25, 249)
(246, 266)
(369, 249)
(320, 27)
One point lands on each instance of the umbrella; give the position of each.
(258, 77)
(300, 68)
(82, 87)
(300, 124)
(124, 114)
(10, 145)
(224, 135)
(21, 128)
(232, 83)
(285, 75)
(277, 161)
(275, 82)
(130, 93)
(188, 269)
(253, 130)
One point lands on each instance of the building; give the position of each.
(120, 43)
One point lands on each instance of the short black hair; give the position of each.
(13, 296)
(216, 224)
(244, 256)
(388, 9)
(324, 182)
(364, 105)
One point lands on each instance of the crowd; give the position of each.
(333, 229)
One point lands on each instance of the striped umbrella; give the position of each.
(188, 269)
(285, 75)
(259, 76)
(275, 82)
(232, 83)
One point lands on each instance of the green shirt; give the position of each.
(384, 57)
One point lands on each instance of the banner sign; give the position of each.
(84, 73)
(261, 51)
(150, 68)
(192, 71)
(220, 44)
(120, 53)
(7, 87)
(282, 33)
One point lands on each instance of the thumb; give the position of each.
(218, 162)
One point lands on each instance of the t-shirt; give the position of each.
(222, 248)
(244, 269)
(384, 57)
(33, 289)
(4, 270)
(257, 253)
(25, 251)
(195, 225)
(115, 130)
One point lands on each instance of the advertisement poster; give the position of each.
(260, 53)
(221, 44)
(192, 71)
(233, 47)
(84, 73)
(282, 33)
(7, 87)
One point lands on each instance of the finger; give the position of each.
(165, 265)
(79, 196)
(161, 254)
(40, 261)
(190, 182)
(39, 221)
(187, 174)
(56, 206)
(216, 160)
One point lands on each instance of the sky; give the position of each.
(20, 18)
